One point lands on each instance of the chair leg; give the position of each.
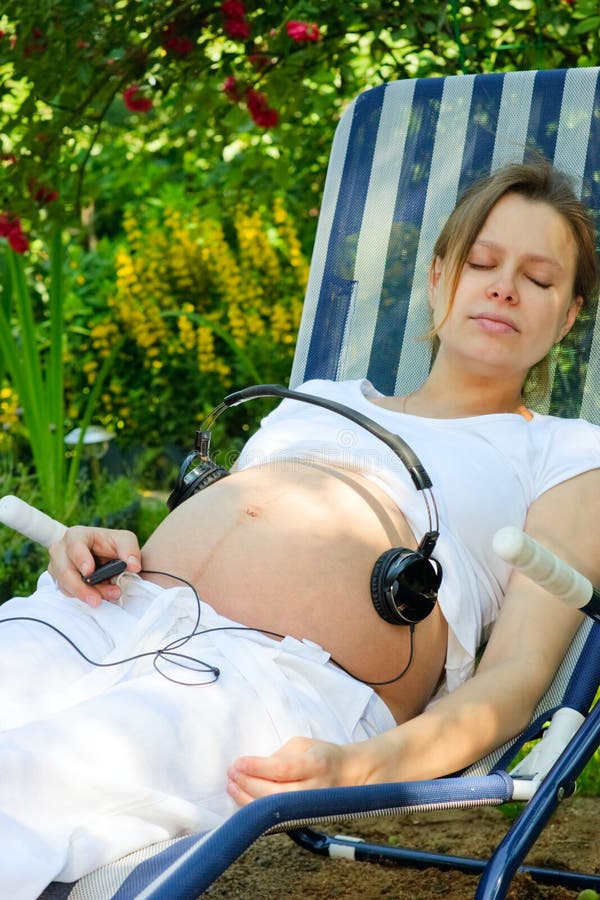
(511, 851)
(344, 847)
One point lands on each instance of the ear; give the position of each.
(435, 273)
(572, 313)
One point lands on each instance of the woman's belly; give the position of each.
(289, 547)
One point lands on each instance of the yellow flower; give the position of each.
(9, 405)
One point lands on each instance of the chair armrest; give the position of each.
(30, 521)
(517, 548)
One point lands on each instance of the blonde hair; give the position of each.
(537, 181)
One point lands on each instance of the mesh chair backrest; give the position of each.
(402, 154)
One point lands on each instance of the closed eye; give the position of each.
(477, 265)
(540, 284)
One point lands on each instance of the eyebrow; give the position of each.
(533, 257)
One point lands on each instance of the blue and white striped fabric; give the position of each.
(402, 154)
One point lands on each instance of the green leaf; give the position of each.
(587, 25)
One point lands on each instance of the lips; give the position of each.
(495, 324)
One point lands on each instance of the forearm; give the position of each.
(451, 734)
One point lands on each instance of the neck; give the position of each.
(464, 395)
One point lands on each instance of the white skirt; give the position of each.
(97, 762)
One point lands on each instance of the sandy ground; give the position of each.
(276, 868)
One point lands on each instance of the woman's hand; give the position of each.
(78, 553)
(301, 764)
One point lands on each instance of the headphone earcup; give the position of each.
(404, 586)
(195, 480)
(380, 588)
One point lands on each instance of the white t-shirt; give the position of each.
(486, 473)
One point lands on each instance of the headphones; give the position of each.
(404, 582)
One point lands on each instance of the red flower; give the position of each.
(303, 31)
(259, 109)
(179, 45)
(18, 241)
(12, 231)
(234, 19)
(173, 42)
(233, 9)
(237, 28)
(4, 224)
(41, 193)
(232, 88)
(259, 61)
(37, 43)
(135, 100)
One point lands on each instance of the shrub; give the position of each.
(206, 305)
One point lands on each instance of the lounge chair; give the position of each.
(402, 153)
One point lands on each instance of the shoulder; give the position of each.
(566, 519)
(353, 393)
(325, 387)
(347, 393)
(569, 429)
(562, 449)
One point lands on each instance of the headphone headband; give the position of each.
(404, 583)
(403, 451)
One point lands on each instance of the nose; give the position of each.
(503, 288)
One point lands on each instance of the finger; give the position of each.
(237, 794)
(244, 795)
(73, 551)
(106, 591)
(244, 788)
(269, 768)
(291, 762)
(102, 544)
(127, 548)
(70, 583)
(67, 572)
(272, 778)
